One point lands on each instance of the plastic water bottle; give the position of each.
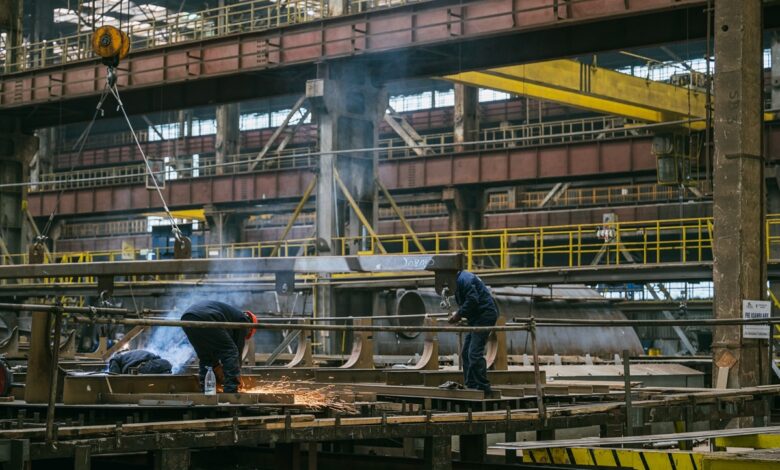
(210, 383)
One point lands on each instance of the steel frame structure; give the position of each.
(423, 33)
(501, 166)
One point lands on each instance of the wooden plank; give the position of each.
(419, 392)
(186, 425)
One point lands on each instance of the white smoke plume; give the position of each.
(171, 344)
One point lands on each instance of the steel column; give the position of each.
(438, 453)
(172, 459)
(228, 133)
(39, 360)
(466, 114)
(775, 71)
(739, 268)
(348, 110)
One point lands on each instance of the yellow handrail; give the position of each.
(686, 240)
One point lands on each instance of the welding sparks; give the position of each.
(315, 398)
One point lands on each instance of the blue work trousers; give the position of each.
(473, 355)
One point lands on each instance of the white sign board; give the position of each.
(755, 309)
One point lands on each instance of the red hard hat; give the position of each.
(252, 317)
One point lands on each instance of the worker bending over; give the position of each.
(145, 362)
(477, 306)
(217, 347)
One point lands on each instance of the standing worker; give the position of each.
(477, 306)
(217, 347)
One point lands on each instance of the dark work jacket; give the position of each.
(213, 310)
(474, 300)
(121, 363)
(217, 345)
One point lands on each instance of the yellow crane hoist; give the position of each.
(111, 44)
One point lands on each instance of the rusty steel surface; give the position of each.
(118, 147)
(621, 156)
(423, 34)
(739, 270)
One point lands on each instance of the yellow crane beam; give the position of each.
(597, 89)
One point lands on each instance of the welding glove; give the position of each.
(455, 319)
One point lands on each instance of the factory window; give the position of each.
(445, 99)
(170, 170)
(677, 290)
(171, 130)
(486, 95)
(664, 71)
(168, 131)
(254, 121)
(404, 103)
(277, 117)
(204, 127)
(195, 165)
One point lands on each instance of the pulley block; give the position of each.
(182, 248)
(111, 44)
(36, 252)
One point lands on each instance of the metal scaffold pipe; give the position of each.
(132, 313)
(296, 326)
(563, 322)
(520, 324)
(104, 320)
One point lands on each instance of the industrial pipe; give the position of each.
(296, 326)
(120, 311)
(693, 322)
(520, 323)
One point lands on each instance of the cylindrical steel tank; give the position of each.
(566, 302)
